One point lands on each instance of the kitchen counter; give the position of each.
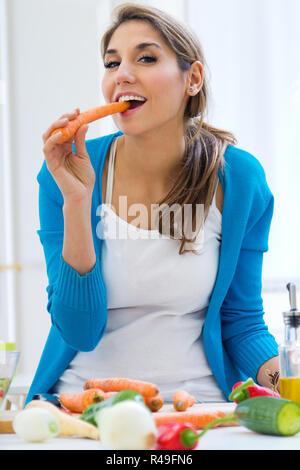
(223, 438)
(227, 438)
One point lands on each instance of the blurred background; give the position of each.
(50, 63)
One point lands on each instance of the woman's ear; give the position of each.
(195, 79)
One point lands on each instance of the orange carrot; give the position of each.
(89, 116)
(154, 403)
(117, 384)
(183, 400)
(198, 418)
(78, 402)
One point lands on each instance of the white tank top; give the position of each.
(157, 302)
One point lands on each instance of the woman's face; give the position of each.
(151, 72)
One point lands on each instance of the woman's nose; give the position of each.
(124, 73)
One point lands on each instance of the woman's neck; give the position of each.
(152, 163)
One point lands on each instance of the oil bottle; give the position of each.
(289, 350)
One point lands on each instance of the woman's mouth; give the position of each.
(134, 107)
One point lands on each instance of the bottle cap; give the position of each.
(292, 316)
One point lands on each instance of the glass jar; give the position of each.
(289, 351)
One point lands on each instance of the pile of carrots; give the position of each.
(96, 390)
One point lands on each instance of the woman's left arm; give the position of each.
(245, 335)
(268, 373)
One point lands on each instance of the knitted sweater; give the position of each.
(236, 339)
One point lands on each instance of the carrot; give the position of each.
(154, 403)
(89, 116)
(183, 400)
(78, 402)
(198, 418)
(117, 384)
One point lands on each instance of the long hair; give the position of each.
(205, 145)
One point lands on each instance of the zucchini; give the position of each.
(269, 415)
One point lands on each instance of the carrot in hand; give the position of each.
(146, 389)
(154, 403)
(78, 402)
(198, 418)
(89, 116)
(183, 400)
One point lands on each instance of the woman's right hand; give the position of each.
(72, 172)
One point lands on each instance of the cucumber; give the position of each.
(269, 415)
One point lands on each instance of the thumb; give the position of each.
(79, 140)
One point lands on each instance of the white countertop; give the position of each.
(223, 438)
(227, 438)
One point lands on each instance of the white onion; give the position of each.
(127, 425)
(35, 425)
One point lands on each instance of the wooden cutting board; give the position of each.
(6, 420)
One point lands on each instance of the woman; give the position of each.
(183, 313)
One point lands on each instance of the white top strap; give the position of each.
(110, 172)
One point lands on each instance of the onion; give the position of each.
(35, 425)
(127, 425)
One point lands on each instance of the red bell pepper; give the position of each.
(243, 390)
(177, 436)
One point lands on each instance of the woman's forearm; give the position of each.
(269, 367)
(78, 246)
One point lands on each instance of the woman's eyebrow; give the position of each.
(139, 47)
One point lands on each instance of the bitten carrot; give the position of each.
(183, 400)
(78, 402)
(147, 389)
(198, 418)
(89, 116)
(154, 403)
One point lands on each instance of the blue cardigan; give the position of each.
(236, 339)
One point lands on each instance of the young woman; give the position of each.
(182, 312)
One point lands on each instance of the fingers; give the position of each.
(79, 140)
(61, 122)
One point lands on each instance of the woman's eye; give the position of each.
(109, 64)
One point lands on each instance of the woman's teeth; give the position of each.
(131, 98)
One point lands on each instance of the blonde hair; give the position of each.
(205, 145)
